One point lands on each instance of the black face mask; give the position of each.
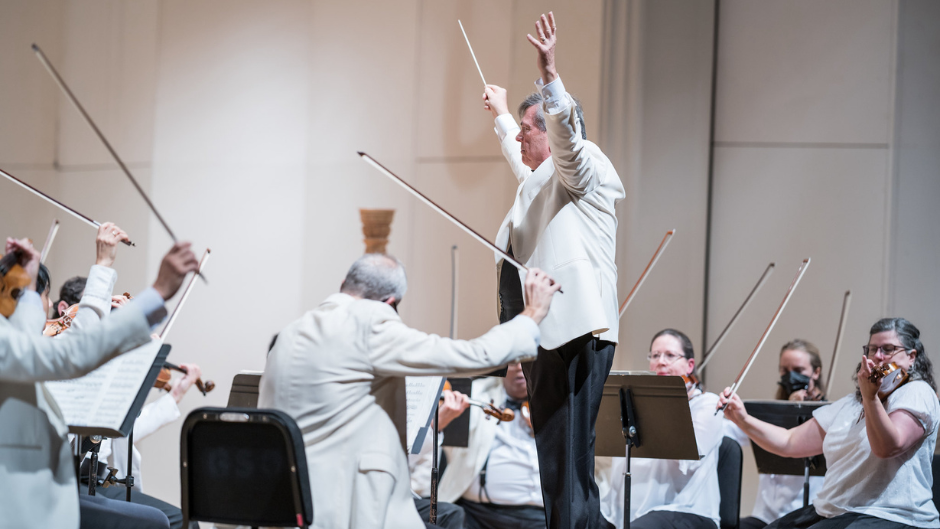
(793, 381)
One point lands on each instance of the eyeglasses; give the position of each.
(887, 350)
(668, 357)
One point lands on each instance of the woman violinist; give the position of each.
(670, 493)
(878, 450)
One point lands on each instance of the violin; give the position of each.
(889, 377)
(163, 379)
(59, 325)
(15, 279)
(691, 382)
(504, 414)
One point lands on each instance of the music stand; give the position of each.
(650, 415)
(786, 414)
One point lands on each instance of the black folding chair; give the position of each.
(729, 483)
(244, 466)
(936, 479)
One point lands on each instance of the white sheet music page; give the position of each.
(420, 393)
(102, 398)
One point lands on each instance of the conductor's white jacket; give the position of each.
(563, 221)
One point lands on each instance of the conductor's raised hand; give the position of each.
(544, 42)
(539, 289)
(495, 100)
(178, 262)
(735, 411)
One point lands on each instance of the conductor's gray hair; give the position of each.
(535, 100)
(376, 276)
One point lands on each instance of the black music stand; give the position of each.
(648, 413)
(126, 430)
(786, 414)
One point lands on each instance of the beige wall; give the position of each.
(242, 120)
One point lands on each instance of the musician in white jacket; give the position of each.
(37, 477)
(563, 220)
(339, 372)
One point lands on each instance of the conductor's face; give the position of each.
(534, 142)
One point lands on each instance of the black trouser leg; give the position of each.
(173, 513)
(565, 388)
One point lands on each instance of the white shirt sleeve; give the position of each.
(826, 415)
(506, 126)
(155, 415)
(95, 304)
(919, 400)
(554, 96)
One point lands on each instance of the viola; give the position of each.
(889, 377)
(501, 414)
(15, 280)
(163, 379)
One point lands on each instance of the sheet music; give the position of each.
(102, 398)
(420, 394)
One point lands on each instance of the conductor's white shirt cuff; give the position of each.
(530, 324)
(553, 94)
(506, 125)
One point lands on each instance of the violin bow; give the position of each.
(747, 301)
(846, 301)
(454, 269)
(652, 263)
(84, 218)
(470, 231)
(81, 110)
(189, 288)
(763, 338)
(53, 230)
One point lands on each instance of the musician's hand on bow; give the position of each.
(452, 407)
(496, 100)
(539, 289)
(182, 386)
(735, 411)
(545, 44)
(178, 262)
(29, 257)
(868, 388)
(109, 235)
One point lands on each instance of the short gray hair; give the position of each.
(535, 100)
(376, 276)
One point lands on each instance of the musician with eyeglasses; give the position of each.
(878, 444)
(671, 493)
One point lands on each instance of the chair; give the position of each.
(936, 478)
(244, 466)
(729, 483)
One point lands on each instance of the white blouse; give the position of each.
(898, 489)
(670, 485)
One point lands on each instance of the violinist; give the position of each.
(878, 449)
(496, 478)
(38, 486)
(339, 372)
(800, 380)
(670, 493)
(96, 301)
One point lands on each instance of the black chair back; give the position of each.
(936, 479)
(730, 459)
(244, 466)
